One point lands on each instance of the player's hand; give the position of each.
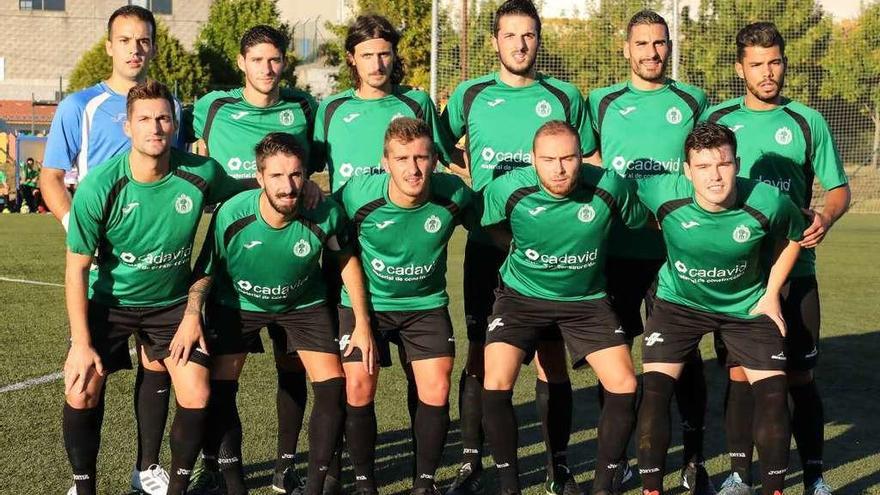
(362, 338)
(311, 194)
(82, 360)
(815, 233)
(188, 334)
(770, 306)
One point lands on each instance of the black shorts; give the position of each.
(673, 331)
(424, 334)
(481, 265)
(236, 331)
(153, 328)
(585, 326)
(629, 282)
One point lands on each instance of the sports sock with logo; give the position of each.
(772, 430)
(187, 434)
(152, 390)
(82, 438)
(616, 423)
(691, 396)
(470, 410)
(360, 434)
(554, 403)
(808, 428)
(325, 426)
(499, 421)
(224, 433)
(431, 426)
(652, 437)
(290, 402)
(739, 409)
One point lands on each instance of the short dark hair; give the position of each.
(555, 128)
(516, 7)
(262, 33)
(407, 130)
(370, 27)
(29, 160)
(707, 136)
(763, 34)
(643, 17)
(133, 11)
(278, 143)
(148, 90)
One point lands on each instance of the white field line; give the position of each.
(33, 282)
(33, 382)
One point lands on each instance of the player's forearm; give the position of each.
(836, 203)
(353, 278)
(595, 159)
(198, 293)
(76, 277)
(54, 192)
(782, 266)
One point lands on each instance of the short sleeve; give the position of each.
(633, 212)
(223, 186)
(198, 116)
(319, 149)
(580, 120)
(452, 117)
(827, 163)
(65, 136)
(211, 249)
(651, 191)
(84, 228)
(443, 140)
(494, 202)
(338, 231)
(788, 222)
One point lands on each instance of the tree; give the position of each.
(219, 40)
(175, 67)
(853, 65)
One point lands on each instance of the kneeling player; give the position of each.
(404, 220)
(261, 260)
(731, 243)
(139, 211)
(554, 284)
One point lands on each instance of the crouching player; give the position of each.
(139, 211)
(403, 220)
(731, 243)
(553, 287)
(261, 261)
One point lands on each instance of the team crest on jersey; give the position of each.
(674, 116)
(741, 234)
(286, 117)
(183, 204)
(586, 214)
(302, 248)
(543, 109)
(783, 135)
(433, 224)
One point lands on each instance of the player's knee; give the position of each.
(435, 391)
(798, 378)
(359, 391)
(83, 400)
(193, 395)
(622, 384)
(497, 381)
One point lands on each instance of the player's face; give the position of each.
(763, 70)
(713, 172)
(150, 126)
(374, 61)
(262, 65)
(410, 165)
(516, 43)
(557, 160)
(130, 46)
(647, 50)
(282, 179)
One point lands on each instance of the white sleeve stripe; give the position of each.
(82, 158)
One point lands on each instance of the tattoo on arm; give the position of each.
(198, 291)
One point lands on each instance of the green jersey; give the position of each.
(256, 267)
(231, 127)
(350, 131)
(717, 261)
(403, 250)
(567, 264)
(786, 147)
(641, 134)
(500, 121)
(30, 175)
(143, 232)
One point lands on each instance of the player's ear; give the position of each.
(687, 171)
(738, 66)
(495, 42)
(385, 163)
(126, 126)
(240, 60)
(626, 53)
(108, 47)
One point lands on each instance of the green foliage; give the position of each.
(219, 40)
(93, 66)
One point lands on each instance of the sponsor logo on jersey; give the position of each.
(586, 214)
(777, 182)
(350, 117)
(505, 160)
(742, 234)
(407, 273)
(119, 118)
(644, 167)
(183, 204)
(564, 261)
(252, 244)
(654, 338)
(714, 274)
(689, 224)
(433, 224)
(736, 127)
(130, 207)
(783, 135)
(302, 248)
(235, 164)
(494, 325)
(286, 117)
(238, 115)
(382, 225)
(348, 170)
(280, 291)
(543, 109)
(494, 103)
(674, 116)
(537, 210)
(157, 260)
(627, 110)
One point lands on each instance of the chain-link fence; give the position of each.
(829, 61)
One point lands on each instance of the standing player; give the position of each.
(139, 211)
(86, 131)
(552, 285)
(404, 220)
(230, 124)
(287, 296)
(719, 230)
(785, 144)
(641, 126)
(500, 113)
